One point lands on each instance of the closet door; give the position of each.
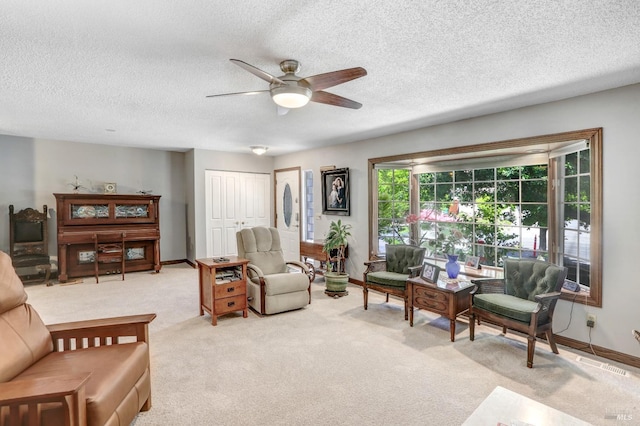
(234, 201)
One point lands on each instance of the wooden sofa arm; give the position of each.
(300, 265)
(83, 334)
(31, 392)
(375, 265)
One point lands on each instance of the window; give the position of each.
(307, 217)
(531, 198)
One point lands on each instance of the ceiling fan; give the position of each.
(291, 91)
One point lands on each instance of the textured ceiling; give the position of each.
(136, 73)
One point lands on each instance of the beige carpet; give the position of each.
(331, 363)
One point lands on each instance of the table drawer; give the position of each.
(233, 288)
(230, 304)
(435, 301)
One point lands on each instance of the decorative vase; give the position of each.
(452, 266)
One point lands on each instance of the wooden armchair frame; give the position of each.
(546, 306)
(381, 265)
(70, 389)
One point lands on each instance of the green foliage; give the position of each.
(336, 239)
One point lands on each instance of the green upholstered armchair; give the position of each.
(390, 275)
(523, 300)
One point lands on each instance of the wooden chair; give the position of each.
(524, 300)
(29, 240)
(109, 249)
(390, 275)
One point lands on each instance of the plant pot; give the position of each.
(336, 284)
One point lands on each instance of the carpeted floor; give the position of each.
(332, 363)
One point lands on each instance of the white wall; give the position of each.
(32, 170)
(617, 111)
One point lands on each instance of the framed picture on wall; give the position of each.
(335, 192)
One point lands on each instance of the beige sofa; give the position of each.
(92, 372)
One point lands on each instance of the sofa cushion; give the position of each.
(284, 283)
(390, 279)
(506, 305)
(11, 287)
(24, 339)
(115, 369)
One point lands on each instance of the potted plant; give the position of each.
(336, 240)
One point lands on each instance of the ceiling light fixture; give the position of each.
(291, 96)
(259, 150)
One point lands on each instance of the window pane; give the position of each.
(464, 192)
(508, 173)
(484, 192)
(539, 171)
(444, 177)
(464, 175)
(508, 191)
(571, 164)
(585, 216)
(571, 189)
(571, 216)
(585, 189)
(535, 214)
(427, 192)
(507, 236)
(444, 191)
(427, 178)
(484, 174)
(385, 209)
(534, 191)
(571, 243)
(585, 161)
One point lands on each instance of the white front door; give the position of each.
(288, 211)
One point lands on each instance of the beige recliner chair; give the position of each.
(272, 287)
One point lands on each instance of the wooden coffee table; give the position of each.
(449, 298)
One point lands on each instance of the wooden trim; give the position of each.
(599, 350)
(178, 261)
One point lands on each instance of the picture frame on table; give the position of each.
(335, 192)
(430, 272)
(472, 262)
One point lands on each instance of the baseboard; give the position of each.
(598, 350)
(178, 261)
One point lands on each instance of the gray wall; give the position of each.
(32, 170)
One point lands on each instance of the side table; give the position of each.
(223, 286)
(448, 297)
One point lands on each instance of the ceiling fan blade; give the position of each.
(257, 72)
(331, 99)
(255, 92)
(330, 79)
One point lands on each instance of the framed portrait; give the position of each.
(472, 262)
(430, 272)
(335, 192)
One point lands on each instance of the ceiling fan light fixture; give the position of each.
(291, 96)
(259, 150)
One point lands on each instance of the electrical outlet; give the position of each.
(591, 320)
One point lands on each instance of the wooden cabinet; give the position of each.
(448, 297)
(81, 218)
(223, 286)
(313, 250)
